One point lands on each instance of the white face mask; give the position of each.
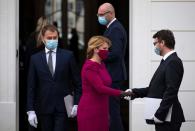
(102, 20)
(157, 50)
(51, 44)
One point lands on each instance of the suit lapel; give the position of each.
(57, 62)
(43, 57)
(157, 71)
(108, 29)
(162, 64)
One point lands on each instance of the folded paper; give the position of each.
(151, 106)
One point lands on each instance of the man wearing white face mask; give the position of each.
(115, 62)
(52, 73)
(162, 106)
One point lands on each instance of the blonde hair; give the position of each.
(95, 42)
(42, 22)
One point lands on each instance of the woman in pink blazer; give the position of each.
(93, 109)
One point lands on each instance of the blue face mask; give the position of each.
(51, 44)
(157, 50)
(102, 20)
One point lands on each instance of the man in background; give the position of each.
(115, 62)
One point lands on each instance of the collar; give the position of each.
(168, 54)
(111, 22)
(47, 50)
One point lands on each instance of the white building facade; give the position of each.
(146, 17)
(9, 39)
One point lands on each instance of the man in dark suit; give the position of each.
(52, 72)
(164, 86)
(115, 62)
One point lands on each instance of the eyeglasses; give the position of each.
(103, 13)
(156, 42)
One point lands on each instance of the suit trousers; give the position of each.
(167, 126)
(115, 115)
(54, 122)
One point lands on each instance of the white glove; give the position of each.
(32, 118)
(128, 97)
(74, 111)
(156, 120)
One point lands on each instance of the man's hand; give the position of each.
(128, 97)
(32, 118)
(74, 111)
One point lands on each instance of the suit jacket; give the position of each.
(115, 62)
(165, 85)
(46, 92)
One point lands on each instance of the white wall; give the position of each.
(147, 17)
(8, 68)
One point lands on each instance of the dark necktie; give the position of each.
(50, 62)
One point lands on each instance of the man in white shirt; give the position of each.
(115, 62)
(52, 73)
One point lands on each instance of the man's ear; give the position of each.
(163, 42)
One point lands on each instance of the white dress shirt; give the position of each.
(111, 22)
(168, 54)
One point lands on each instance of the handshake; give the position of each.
(127, 94)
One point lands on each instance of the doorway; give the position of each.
(70, 14)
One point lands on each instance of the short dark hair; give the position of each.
(49, 27)
(167, 36)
